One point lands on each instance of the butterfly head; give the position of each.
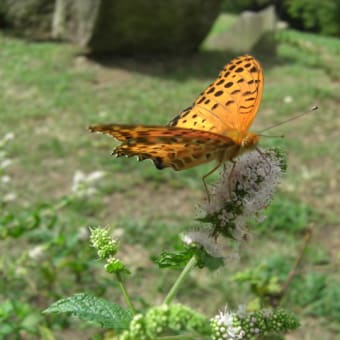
(250, 141)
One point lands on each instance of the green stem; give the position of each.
(125, 294)
(190, 265)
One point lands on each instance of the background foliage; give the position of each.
(306, 15)
(49, 94)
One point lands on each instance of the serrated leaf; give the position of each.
(90, 308)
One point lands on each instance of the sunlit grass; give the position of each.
(49, 95)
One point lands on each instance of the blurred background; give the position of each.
(67, 64)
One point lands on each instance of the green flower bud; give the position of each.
(102, 241)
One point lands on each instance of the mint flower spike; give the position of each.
(243, 190)
(102, 241)
(107, 248)
(241, 325)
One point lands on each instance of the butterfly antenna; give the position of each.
(314, 108)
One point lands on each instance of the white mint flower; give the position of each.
(226, 326)
(5, 179)
(225, 318)
(8, 136)
(95, 176)
(252, 325)
(78, 177)
(10, 197)
(5, 163)
(243, 190)
(83, 185)
(287, 99)
(36, 253)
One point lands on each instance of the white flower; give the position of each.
(82, 184)
(10, 197)
(243, 191)
(8, 136)
(78, 177)
(5, 163)
(95, 176)
(287, 99)
(36, 253)
(225, 326)
(103, 114)
(225, 318)
(5, 179)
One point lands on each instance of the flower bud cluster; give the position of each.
(241, 325)
(106, 250)
(167, 320)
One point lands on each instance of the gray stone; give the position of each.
(30, 18)
(246, 32)
(135, 26)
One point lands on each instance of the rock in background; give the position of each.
(28, 18)
(135, 26)
(251, 30)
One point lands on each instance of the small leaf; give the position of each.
(206, 260)
(116, 266)
(176, 260)
(93, 309)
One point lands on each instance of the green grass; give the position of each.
(49, 95)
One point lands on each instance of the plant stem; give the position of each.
(125, 294)
(190, 265)
(275, 299)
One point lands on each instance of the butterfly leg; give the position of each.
(220, 162)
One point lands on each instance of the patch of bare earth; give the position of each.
(161, 202)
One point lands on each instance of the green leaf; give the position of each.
(90, 308)
(179, 259)
(206, 260)
(176, 260)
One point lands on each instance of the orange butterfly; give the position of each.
(215, 127)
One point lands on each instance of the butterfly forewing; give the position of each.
(230, 102)
(168, 147)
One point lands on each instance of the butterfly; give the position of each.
(214, 127)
